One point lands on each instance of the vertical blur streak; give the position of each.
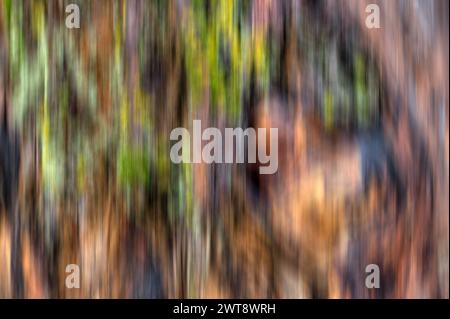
(363, 150)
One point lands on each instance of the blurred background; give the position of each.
(86, 177)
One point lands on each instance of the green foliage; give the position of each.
(133, 166)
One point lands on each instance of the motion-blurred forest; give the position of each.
(86, 177)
